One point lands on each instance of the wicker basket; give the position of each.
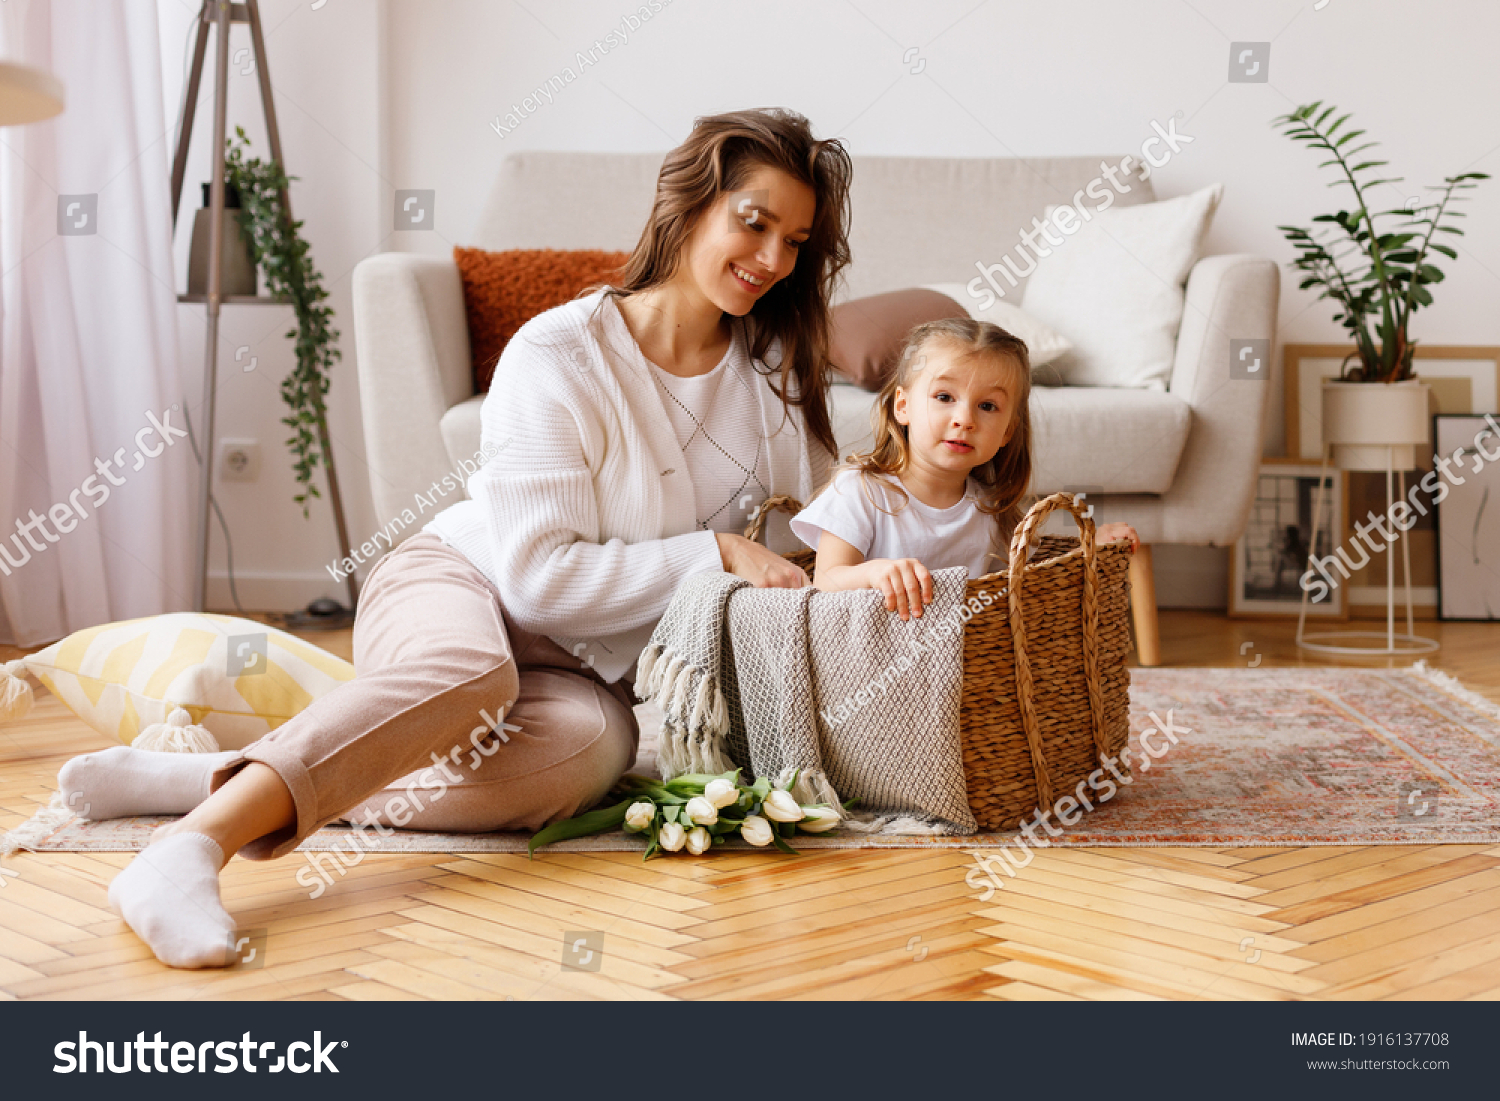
(1045, 691)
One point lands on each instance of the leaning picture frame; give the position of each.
(1268, 561)
(1468, 518)
(1463, 379)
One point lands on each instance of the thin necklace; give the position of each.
(698, 426)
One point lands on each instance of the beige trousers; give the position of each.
(409, 742)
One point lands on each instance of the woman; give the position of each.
(634, 429)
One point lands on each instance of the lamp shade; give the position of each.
(28, 94)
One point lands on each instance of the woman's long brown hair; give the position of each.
(717, 157)
(1002, 482)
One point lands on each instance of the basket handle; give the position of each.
(1019, 543)
(777, 502)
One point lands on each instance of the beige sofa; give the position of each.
(1179, 465)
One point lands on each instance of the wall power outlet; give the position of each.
(239, 460)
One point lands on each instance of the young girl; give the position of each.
(944, 484)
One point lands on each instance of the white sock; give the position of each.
(122, 781)
(169, 894)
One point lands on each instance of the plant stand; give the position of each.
(1335, 642)
(219, 14)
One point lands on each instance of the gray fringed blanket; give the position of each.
(831, 684)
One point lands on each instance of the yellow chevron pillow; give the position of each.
(236, 678)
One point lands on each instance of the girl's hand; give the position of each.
(906, 583)
(761, 566)
(1110, 533)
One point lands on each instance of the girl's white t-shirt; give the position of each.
(936, 537)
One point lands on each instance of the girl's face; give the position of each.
(959, 412)
(748, 239)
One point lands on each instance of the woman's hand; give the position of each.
(761, 566)
(1109, 533)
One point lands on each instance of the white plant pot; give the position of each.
(1372, 425)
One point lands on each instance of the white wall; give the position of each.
(376, 95)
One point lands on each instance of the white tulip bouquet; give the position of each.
(696, 812)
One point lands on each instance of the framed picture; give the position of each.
(1468, 519)
(1267, 562)
(1463, 380)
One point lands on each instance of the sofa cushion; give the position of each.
(1120, 441)
(1097, 438)
(504, 290)
(972, 208)
(1043, 345)
(1111, 440)
(866, 334)
(460, 428)
(1116, 289)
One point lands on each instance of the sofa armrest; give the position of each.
(1231, 297)
(411, 341)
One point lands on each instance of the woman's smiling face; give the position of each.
(748, 239)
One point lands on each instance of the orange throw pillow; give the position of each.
(504, 290)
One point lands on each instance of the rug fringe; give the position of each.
(1454, 688)
(38, 827)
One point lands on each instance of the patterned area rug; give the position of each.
(1262, 757)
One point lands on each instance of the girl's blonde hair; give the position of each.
(1002, 482)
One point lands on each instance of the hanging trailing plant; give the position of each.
(286, 262)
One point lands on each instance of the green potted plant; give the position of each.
(1376, 266)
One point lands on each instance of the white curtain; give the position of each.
(90, 378)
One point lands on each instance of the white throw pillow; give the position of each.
(1042, 344)
(1115, 288)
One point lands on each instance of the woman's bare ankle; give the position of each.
(252, 803)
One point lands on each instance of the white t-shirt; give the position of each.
(936, 537)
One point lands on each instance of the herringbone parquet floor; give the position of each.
(1356, 922)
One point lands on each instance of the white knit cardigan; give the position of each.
(585, 518)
